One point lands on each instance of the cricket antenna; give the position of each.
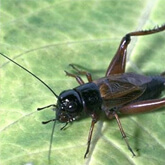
(31, 74)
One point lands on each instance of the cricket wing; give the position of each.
(118, 90)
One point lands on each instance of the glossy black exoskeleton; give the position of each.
(71, 103)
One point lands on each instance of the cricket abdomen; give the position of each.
(153, 88)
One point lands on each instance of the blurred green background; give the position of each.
(46, 36)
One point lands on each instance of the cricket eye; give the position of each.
(72, 106)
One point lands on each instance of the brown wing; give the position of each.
(117, 89)
(120, 89)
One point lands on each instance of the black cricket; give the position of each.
(116, 93)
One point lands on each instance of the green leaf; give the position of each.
(46, 36)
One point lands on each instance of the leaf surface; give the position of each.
(46, 36)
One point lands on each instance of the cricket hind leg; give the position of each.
(143, 106)
(117, 65)
(137, 107)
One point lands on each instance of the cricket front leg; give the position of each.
(142, 106)
(117, 65)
